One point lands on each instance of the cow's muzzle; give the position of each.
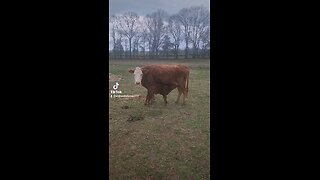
(137, 83)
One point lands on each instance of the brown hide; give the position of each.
(162, 79)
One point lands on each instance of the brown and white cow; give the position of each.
(162, 79)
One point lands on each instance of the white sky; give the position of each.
(143, 7)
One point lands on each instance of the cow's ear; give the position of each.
(131, 71)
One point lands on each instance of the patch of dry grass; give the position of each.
(163, 142)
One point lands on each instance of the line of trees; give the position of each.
(159, 35)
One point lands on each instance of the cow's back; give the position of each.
(164, 74)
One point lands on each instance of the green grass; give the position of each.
(170, 142)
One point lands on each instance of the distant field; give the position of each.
(159, 142)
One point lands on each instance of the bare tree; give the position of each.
(200, 22)
(175, 31)
(205, 42)
(167, 46)
(136, 41)
(156, 30)
(157, 33)
(184, 16)
(148, 37)
(144, 41)
(128, 23)
(118, 50)
(117, 36)
(113, 23)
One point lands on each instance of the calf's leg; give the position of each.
(145, 103)
(165, 99)
(152, 99)
(147, 99)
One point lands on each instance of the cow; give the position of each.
(162, 79)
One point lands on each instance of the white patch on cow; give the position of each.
(137, 75)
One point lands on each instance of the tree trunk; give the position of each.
(177, 51)
(130, 48)
(186, 53)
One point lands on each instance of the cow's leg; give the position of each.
(184, 98)
(149, 97)
(185, 91)
(165, 99)
(180, 92)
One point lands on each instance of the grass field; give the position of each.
(160, 142)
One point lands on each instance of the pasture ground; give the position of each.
(160, 142)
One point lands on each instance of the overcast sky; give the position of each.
(143, 7)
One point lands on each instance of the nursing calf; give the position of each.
(162, 79)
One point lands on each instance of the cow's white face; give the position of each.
(137, 75)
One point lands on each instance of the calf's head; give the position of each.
(137, 72)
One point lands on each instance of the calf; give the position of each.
(162, 79)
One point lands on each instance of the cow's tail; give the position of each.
(186, 86)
